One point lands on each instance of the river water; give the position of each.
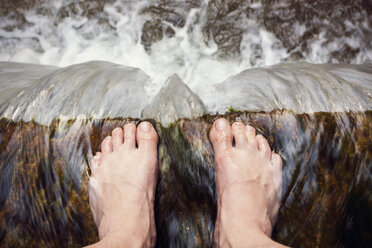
(299, 71)
(204, 42)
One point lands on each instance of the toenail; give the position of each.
(221, 124)
(238, 123)
(145, 126)
(250, 129)
(130, 124)
(117, 129)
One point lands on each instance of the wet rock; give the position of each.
(94, 89)
(174, 101)
(288, 20)
(153, 31)
(222, 25)
(300, 27)
(162, 13)
(312, 88)
(174, 12)
(326, 198)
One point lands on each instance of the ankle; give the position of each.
(132, 219)
(246, 239)
(245, 203)
(139, 233)
(121, 239)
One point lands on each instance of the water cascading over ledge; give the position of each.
(317, 117)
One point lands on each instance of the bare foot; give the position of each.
(249, 181)
(122, 187)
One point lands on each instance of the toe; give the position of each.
(106, 146)
(117, 138)
(276, 168)
(263, 146)
(130, 135)
(98, 158)
(147, 138)
(96, 161)
(251, 136)
(221, 138)
(239, 135)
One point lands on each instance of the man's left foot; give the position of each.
(249, 181)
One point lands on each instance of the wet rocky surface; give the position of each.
(326, 199)
(299, 27)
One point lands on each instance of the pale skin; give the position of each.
(123, 181)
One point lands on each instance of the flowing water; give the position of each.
(182, 64)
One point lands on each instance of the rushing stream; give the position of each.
(71, 71)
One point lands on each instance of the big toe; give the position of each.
(147, 138)
(221, 138)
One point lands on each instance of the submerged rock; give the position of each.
(104, 90)
(93, 89)
(301, 87)
(174, 101)
(326, 199)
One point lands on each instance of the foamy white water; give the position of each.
(114, 35)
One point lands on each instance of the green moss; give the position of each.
(231, 110)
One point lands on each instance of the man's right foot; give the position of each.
(122, 187)
(249, 181)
